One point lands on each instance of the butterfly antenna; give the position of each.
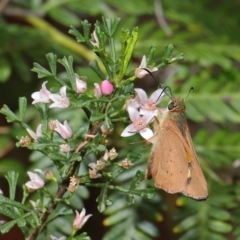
(190, 90)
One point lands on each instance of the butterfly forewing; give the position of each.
(173, 162)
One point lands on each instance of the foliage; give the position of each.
(211, 63)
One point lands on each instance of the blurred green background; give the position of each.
(207, 32)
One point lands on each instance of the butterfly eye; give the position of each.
(170, 105)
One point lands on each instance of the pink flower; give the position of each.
(139, 124)
(60, 101)
(35, 183)
(36, 135)
(106, 87)
(63, 129)
(42, 95)
(80, 219)
(149, 105)
(81, 86)
(140, 72)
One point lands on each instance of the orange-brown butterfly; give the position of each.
(173, 161)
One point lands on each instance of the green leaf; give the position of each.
(22, 107)
(80, 132)
(86, 29)
(130, 198)
(12, 178)
(220, 214)
(82, 236)
(117, 217)
(7, 226)
(146, 193)
(139, 176)
(96, 117)
(5, 69)
(186, 224)
(7, 201)
(219, 226)
(73, 31)
(10, 116)
(101, 199)
(215, 236)
(94, 65)
(130, 42)
(57, 157)
(41, 71)
(21, 222)
(168, 53)
(68, 64)
(52, 61)
(7, 211)
(109, 25)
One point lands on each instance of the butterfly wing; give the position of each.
(197, 185)
(173, 163)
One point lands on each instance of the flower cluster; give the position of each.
(142, 111)
(100, 164)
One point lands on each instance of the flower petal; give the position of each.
(129, 131)
(146, 133)
(157, 95)
(143, 63)
(141, 94)
(133, 114)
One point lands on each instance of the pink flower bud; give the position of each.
(81, 85)
(106, 87)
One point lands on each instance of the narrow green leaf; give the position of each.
(193, 113)
(186, 224)
(139, 176)
(41, 71)
(129, 198)
(94, 65)
(168, 53)
(215, 236)
(82, 236)
(12, 178)
(96, 117)
(68, 64)
(22, 102)
(8, 201)
(117, 217)
(110, 25)
(5, 69)
(52, 60)
(86, 29)
(21, 222)
(102, 198)
(10, 116)
(130, 45)
(73, 31)
(57, 157)
(146, 193)
(7, 226)
(7, 211)
(219, 226)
